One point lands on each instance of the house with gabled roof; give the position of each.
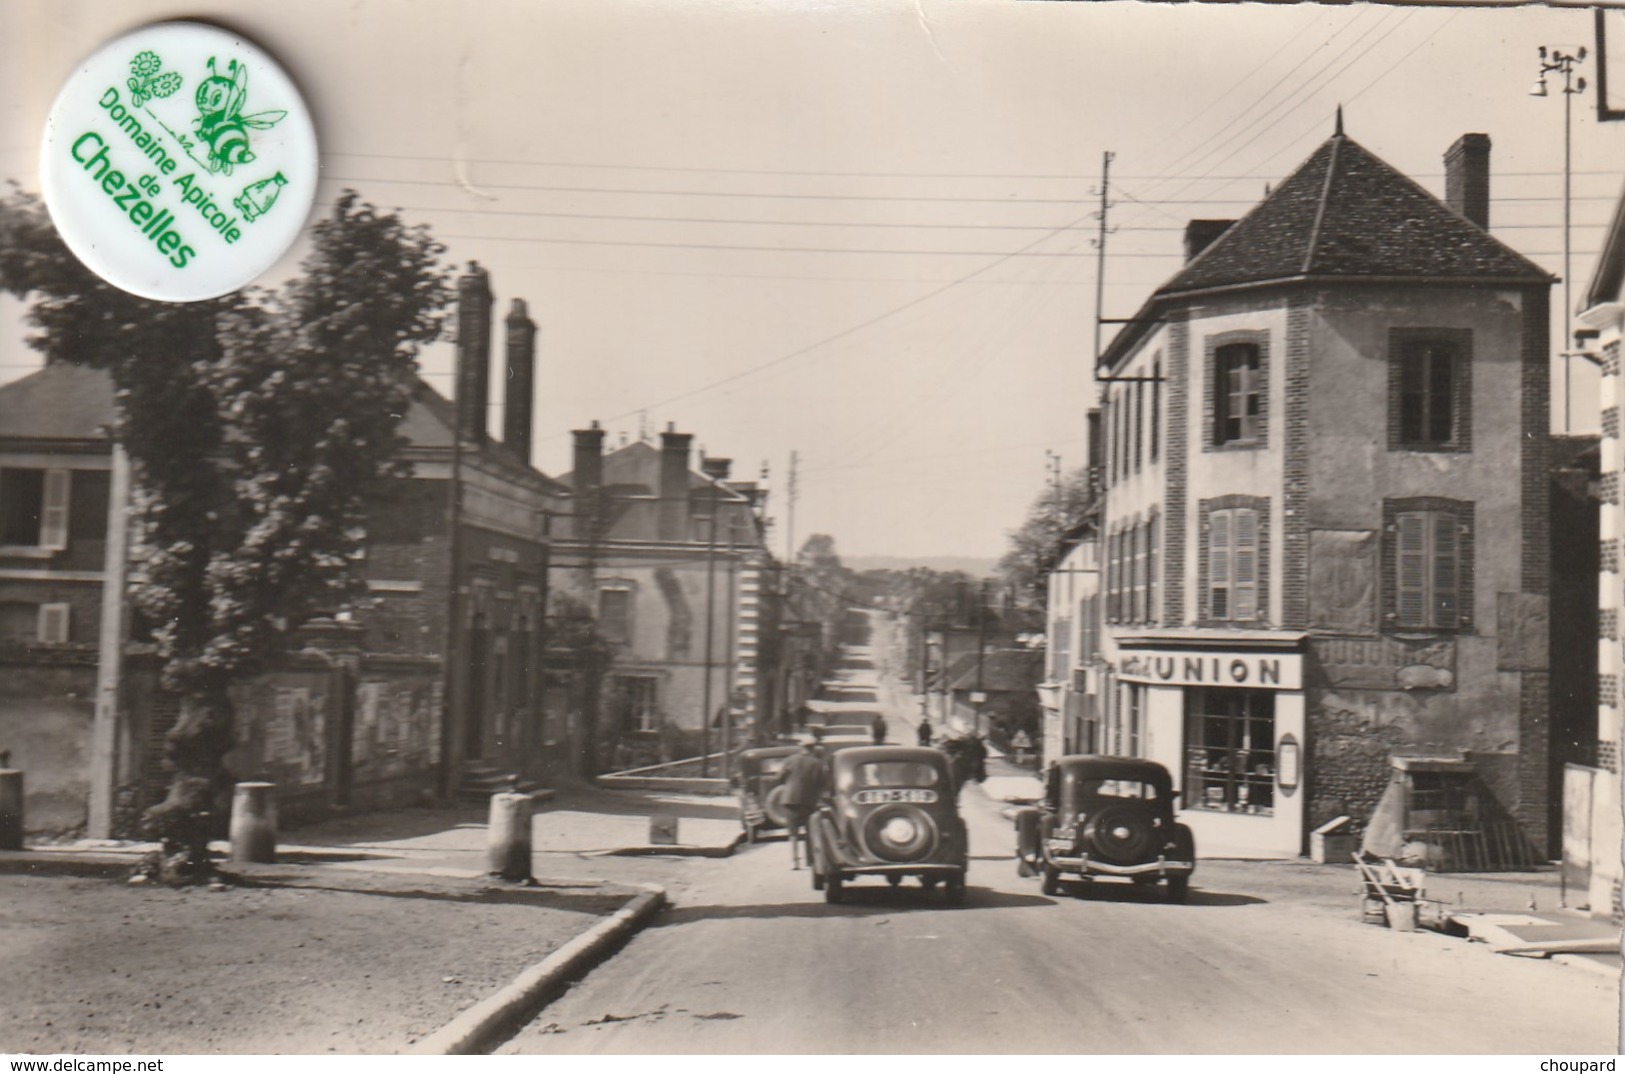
(1324, 545)
(440, 681)
(670, 552)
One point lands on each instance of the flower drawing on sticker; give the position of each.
(146, 83)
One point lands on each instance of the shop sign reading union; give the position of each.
(1258, 670)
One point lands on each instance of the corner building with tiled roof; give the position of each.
(1324, 532)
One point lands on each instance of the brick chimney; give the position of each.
(519, 409)
(1467, 178)
(1200, 234)
(587, 478)
(716, 469)
(674, 448)
(473, 351)
(1093, 446)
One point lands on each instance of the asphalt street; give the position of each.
(751, 960)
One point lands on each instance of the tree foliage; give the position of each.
(1035, 546)
(257, 426)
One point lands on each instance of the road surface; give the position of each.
(1264, 958)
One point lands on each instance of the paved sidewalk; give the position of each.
(578, 823)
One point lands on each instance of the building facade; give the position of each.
(674, 563)
(364, 709)
(1592, 833)
(1069, 696)
(1323, 541)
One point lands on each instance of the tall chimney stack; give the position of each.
(1467, 178)
(518, 410)
(1200, 234)
(674, 448)
(473, 351)
(587, 479)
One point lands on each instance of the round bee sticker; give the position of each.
(179, 162)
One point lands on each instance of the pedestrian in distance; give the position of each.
(803, 779)
(924, 732)
(879, 729)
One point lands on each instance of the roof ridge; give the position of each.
(1325, 195)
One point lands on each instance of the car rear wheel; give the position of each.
(773, 805)
(1052, 880)
(834, 888)
(1179, 888)
(954, 890)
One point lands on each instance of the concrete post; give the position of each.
(508, 836)
(11, 809)
(253, 822)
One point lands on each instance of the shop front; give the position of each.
(1226, 717)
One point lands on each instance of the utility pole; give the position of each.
(981, 653)
(1563, 63)
(791, 492)
(710, 619)
(110, 654)
(1100, 248)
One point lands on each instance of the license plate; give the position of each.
(910, 794)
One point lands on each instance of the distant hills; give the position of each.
(977, 566)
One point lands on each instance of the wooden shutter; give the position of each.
(53, 530)
(53, 622)
(1218, 564)
(1247, 390)
(1410, 568)
(1151, 570)
(1244, 572)
(1445, 606)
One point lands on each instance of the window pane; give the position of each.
(22, 498)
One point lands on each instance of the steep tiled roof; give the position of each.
(71, 402)
(58, 402)
(1002, 671)
(1608, 281)
(1347, 213)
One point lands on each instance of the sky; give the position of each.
(861, 231)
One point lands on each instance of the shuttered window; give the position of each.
(1233, 569)
(1427, 393)
(53, 623)
(1151, 570)
(1427, 570)
(1236, 400)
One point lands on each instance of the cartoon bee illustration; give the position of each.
(220, 121)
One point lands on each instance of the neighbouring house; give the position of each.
(1069, 696)
(674, 560)
(365, 710)
(1591, 835)
(1325, 525)
(994, 693)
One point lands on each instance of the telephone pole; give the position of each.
(790, 493)
(1100, 248)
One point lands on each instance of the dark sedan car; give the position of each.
(892, 811)
(1106, 818)
(755, 781)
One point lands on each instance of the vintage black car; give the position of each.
(892, 811)
(1106, 817)
(755, 779)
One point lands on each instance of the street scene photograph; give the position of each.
(853, 528)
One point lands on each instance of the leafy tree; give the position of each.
(257, 426)
(1035, 546)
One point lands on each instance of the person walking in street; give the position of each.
(878, 728)
(924, 732)
(803, 779)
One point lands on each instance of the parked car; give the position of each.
(892, 811)
(761, 800)
(1106, 818)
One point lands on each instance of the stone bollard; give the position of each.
(253, 822)
(11, 808)
(508, 836)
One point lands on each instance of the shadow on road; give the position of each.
(862, 900)
(1109, 892)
